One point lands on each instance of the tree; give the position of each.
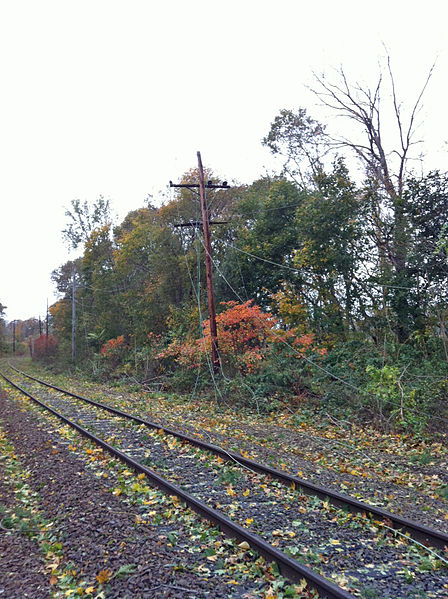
(385, 167)
(266, 237)
(329, 251)
(84, 218)
(62, 276)
(150, 267)
(301, 141)
(426, 206)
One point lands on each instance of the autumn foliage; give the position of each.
(45, 347)
(114, 350)
(246, 334)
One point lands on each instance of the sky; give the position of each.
(114, 98)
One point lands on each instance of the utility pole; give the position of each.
(13, 336)
(208, 251)
(74, 315)
(46, 331)
(40, 327)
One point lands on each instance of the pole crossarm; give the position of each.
(208, 185)
(197, 223)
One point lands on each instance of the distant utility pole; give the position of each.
(74, 315)
(208, 250)
(13, 336)
(40, 326)
(46, 330)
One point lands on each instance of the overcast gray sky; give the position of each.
(115, 97)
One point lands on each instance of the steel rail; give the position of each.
(288, 567)
(417, 531)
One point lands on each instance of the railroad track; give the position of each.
(284, 505)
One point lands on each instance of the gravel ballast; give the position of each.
(318, 535)
(98, 530)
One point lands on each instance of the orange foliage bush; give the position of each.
(245, 335)
(110, 348)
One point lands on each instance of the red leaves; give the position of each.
(111, 346)
(45, 346)
(245, 335)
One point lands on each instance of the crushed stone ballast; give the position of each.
(420, 533)
(288, 567)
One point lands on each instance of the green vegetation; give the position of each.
(330, 291)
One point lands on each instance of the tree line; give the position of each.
(330, 279)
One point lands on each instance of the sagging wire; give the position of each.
(229, 455)
(201, 321)
(308, 360)
(428, 549)
(197, 294)
(297, 270)
(344, 382)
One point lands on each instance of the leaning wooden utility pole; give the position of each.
(208, 251)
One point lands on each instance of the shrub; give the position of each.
(45, 348)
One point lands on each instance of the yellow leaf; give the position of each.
(246, 492)
(244, 545)
(103, 576)
(249, 520)
(212, 558)
(301, 586)
(117, 492)
(141, 476)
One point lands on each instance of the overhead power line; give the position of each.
(308, 360)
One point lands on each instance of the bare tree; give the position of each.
(363, 106)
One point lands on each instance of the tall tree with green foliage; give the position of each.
(330, 248)
(386, 168)
(264, 242)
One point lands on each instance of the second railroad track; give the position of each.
(301, 526)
